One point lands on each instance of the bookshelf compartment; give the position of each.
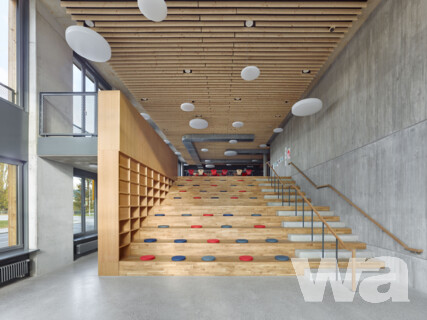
(134, 188)
(124, 174)
(124, 226)
(123, 187)
(134, 212)
(123, 161)
(134, 201)
(124, 213)
(134, 177)
(124, 200)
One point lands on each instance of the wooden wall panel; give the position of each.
(121, 130)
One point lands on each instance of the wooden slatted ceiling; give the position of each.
(210, 38)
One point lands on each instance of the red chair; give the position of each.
(191, 172)
(244, 174)
(224, 172)
(213, 172)
(248, 172)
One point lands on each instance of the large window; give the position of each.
(84, 203)
(8, 52)
(10, 233)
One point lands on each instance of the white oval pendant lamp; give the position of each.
(88, 43)
(210, 166)
(204, 150)
(187, 107)
(307, 107)
(230, 153)
(238, 124)
(154, 10)
(263, 145)
(198, 124)
(232, 141)
(250, 73)
(277, 130)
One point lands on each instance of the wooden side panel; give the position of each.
(108, 182)
(139, 140)
(135, 168)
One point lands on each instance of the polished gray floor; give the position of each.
(76, 292)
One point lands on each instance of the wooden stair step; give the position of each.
(224, 266)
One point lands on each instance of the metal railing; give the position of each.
(68, 114)
(7, 93)
(419, 251)
(278, 184)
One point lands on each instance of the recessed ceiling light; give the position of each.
(146, 116)
(187, 107)
(237, 99)
(249, 23)
(155, 10)
(166, 141)
(307, 107)
(306, 71)
(187, 71)
(204, 150)
(233, 141)
(332, 29)
(263, 145)
(278, 130)
(238, 124)
(250, 73)
(88, 43)
(286, 101)
(230, 153)
(277, 115)
(198, 124)
(144, 99)
(210, 166)
(89, 23)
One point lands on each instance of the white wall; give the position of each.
(370, 139)
(51, 183)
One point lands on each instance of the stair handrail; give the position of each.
(395, 238)
(338, 239)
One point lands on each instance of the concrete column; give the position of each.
(264, 164)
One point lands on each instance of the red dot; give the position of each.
(208, 215)
(197, 198)
(242, 191)
(147, 257)
(213, 241)
(234, 197)
(259, 226)
(196, 226)
(182, 190)
(246, 258)
(214, 185)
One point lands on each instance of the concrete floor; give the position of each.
(76, 292)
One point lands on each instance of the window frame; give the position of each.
(19, 204)
(20, 88)
(86, 175)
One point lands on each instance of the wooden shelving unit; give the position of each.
(140, 189)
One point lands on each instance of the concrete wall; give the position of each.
(370, 139)
(51, 183)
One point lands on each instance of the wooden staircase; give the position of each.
(229, 208)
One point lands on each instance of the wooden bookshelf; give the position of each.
(140, 189)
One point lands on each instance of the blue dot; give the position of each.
(208, 258)
(150, 240)
(242, 241)
(186, 214)
(159, 215)
(226, 226)
(256, 215)
(282, 258)
(163, 226)
(227, 215)
(178, 258)
(180, 241)
(271, 240)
